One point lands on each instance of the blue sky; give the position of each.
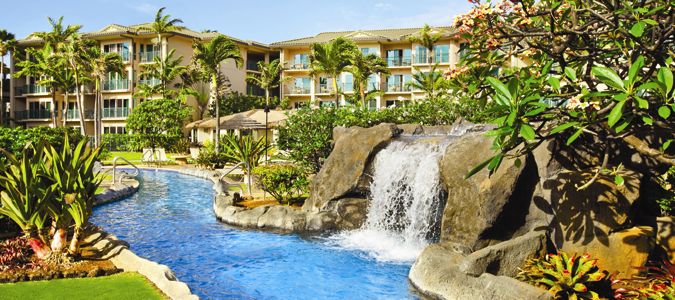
(259, 20)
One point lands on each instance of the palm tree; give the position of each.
(427, 38)
(331, 59)
(101, 65)
(59, 35)
(66, 82)
(77, 53)
(195, 83)
(362, 67)
(7, 43)
(166, 70)
(209, 56)
(162, 24)
(46, 66)
(432, 83)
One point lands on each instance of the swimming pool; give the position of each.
(171, 221)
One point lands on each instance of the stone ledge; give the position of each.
(117, 191)
(160, 275)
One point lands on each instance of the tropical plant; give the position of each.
(565, 277)
(45, 66)
(236, 102)
(101, 65)
(331, 59)
(7, 43)
(243, 149)
(15, 139)
(59, 35)
(268, 78)
(162, 25)
(25, 194)
(156, 119)
(74, 184)
(427, 38)
(208, 158)
(166, 69)
(432, 83)
(284, 182)
(362, 67)
(77, 53)
(194, 83)
(209, 56)
(609, 82)
(14, 253)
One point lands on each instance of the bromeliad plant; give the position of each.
(246, 149)
(565, 277)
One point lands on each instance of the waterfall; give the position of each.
(406, 199)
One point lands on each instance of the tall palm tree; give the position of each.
(362, 67)
(196, 84)
(269, 77)
(331, 59)
(59, 35)
(427, 38)
(166, 70)
(46, 66)
(66, 82)
(432, 83)
(77, 54)
(102, 64)
(163, 24)
(7, 43)
(209, 56)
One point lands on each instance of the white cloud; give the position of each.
(145, 8)
(383, 5)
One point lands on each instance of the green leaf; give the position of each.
(570, 73)
(665, 145)
(608, 77)
(499, 87)
(635, 69)
(495, 162)
(650, 22)
(664, 112)
(517, 163)
(618, 180)
(527, 132)
(512, 118)
(638, 29)
(477, 168)
(665, 76)
(623, 125)
(648, 120)
(648, 86)
(574, 137)
(563, 127)
(616, 114)
(554, 82)
(513, 87)
(642, 103)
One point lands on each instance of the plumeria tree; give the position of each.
(578, 71)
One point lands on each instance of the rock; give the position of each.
(621, 252)
(351, 212)
(321, 221)
(482, 209)
(665, 235)
(411, 129)
(584, 216)
(248, 217)
(505, 258)
(435, 274)
(354, 148)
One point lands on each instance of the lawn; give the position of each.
(134, 157)
(120, 286)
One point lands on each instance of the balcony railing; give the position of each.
(297, 65)
(36, 89)
(397, 87)
(397, 61)
(150, 82)
(147, 57)
(297, 90)
(324, 89)
(120, 112)
(19, 90)
(124, 54)
(74, 114)
(252, 65)
(428, 60)
(114, 85)
(33, 114)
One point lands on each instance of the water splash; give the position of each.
(405, 203)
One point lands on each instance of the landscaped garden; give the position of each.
(538, 167)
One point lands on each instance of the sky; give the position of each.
(257, 20)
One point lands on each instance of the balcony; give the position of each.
(124, 54)
(398, 87)
(149, 82)
(36, 89)
(397, 61)
(430, 60)
(252, 65)
(74, 114)
(148, 57)
(297, 90)
(33, 114)
(297, 65)
(19, 90)
(116, 85)
(112, 112)
(324, 89)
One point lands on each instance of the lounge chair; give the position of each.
(148, 155)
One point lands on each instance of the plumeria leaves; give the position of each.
(527, 132)
(664, 112)
(616, 113)
(638, 29)
(608, 77)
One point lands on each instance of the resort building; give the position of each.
(31, 104)
(393, 45)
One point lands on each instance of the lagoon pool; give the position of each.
(171, 221)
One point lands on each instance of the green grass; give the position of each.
(125, 286)
(134, 157)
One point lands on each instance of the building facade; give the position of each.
(31, 104)
(403, 59)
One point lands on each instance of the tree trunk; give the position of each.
(2, 90)
(214, 97)
(59, 240)
(37, 244)
(54, 109)
(337, 95)
(80, 106)
(74, 247)
(362, 93)
(97, 128)
(64, 109)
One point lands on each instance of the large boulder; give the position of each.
(505, 258)
(343, 171)
(665, 236)
(483, 209)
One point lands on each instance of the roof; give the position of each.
(376, 35)
(252, 119)
(136, 30)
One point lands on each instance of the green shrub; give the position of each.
(208, 158)
(576, 277)
(136, 142)
(244, 149)
(15, 139)
(285, 183)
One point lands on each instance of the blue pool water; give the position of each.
(171, 221)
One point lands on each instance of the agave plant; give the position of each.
(244, 149)
(25, 195)
(75, 184)
(576, 277)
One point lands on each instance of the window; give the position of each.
(114, 130)
(372, 83)
(119, 48)
(325, 85)
(349, 83)
(390, 103)
(327, 104)
(422, 56)
(372, 104)
(398, 83)
(115, 108)
(301, 85)
(300, 61)
(399, 57)
(463, 50)
(442, 53)
(299, 104)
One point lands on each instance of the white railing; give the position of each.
(137, 171)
